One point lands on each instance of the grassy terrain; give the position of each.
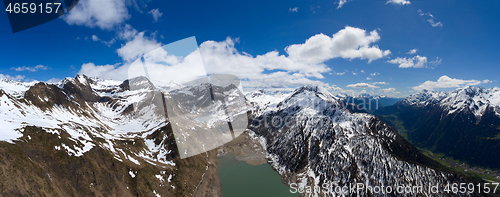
(455, 166)
(496, 137)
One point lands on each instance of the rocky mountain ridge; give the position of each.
(311, 140)
(92, 137)
(83, 137)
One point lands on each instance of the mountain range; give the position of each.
(92, 137)
(311, 139)
(463, 124)
(83, 137)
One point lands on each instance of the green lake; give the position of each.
(240, 179)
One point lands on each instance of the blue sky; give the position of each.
(456, 42)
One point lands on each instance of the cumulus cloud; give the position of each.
(222, 57)
(448, 82)
(374, 74)
(302, 66)
(137, 47)
(14, 78)
(295, 9)
(31, 69)
(105, 71)
(348, 43)
(95, 38)
(368, 78)
(399, 2)
(156, 14)
(362, 85)
(413, 51)
(181, 70)
(415, 62)
(126, 32)
(98, 13)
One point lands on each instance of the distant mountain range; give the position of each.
(463, 124)
(92, 137)
(367, 103)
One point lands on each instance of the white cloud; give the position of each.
(137, 47)
(399, 2)
(109, 43)
(413, 51)
(424, 14)
(362, 71)
(415, 62)
(222, 57)
(362, 85)
(389, 90)
(381, 83)
(13, 78)
(280, 80)
(53, 80)
(156, 14)
(271, 70)
(98, 13)
(295, 9)
(126, 32)
(31, 69)
(161, 68)
(374, 74)
(447, 82)
(348, 43)
(435, 24)
(368, 78)
(95, 38)
(105, 71)
(353, 73)
(431, 19)
(341, 3)
(436, 62)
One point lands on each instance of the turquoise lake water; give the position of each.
(240, 179)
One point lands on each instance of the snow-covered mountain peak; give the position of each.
(15, 88)
(475, 100)
(310, 96)
(85, 109)
(424, 98)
